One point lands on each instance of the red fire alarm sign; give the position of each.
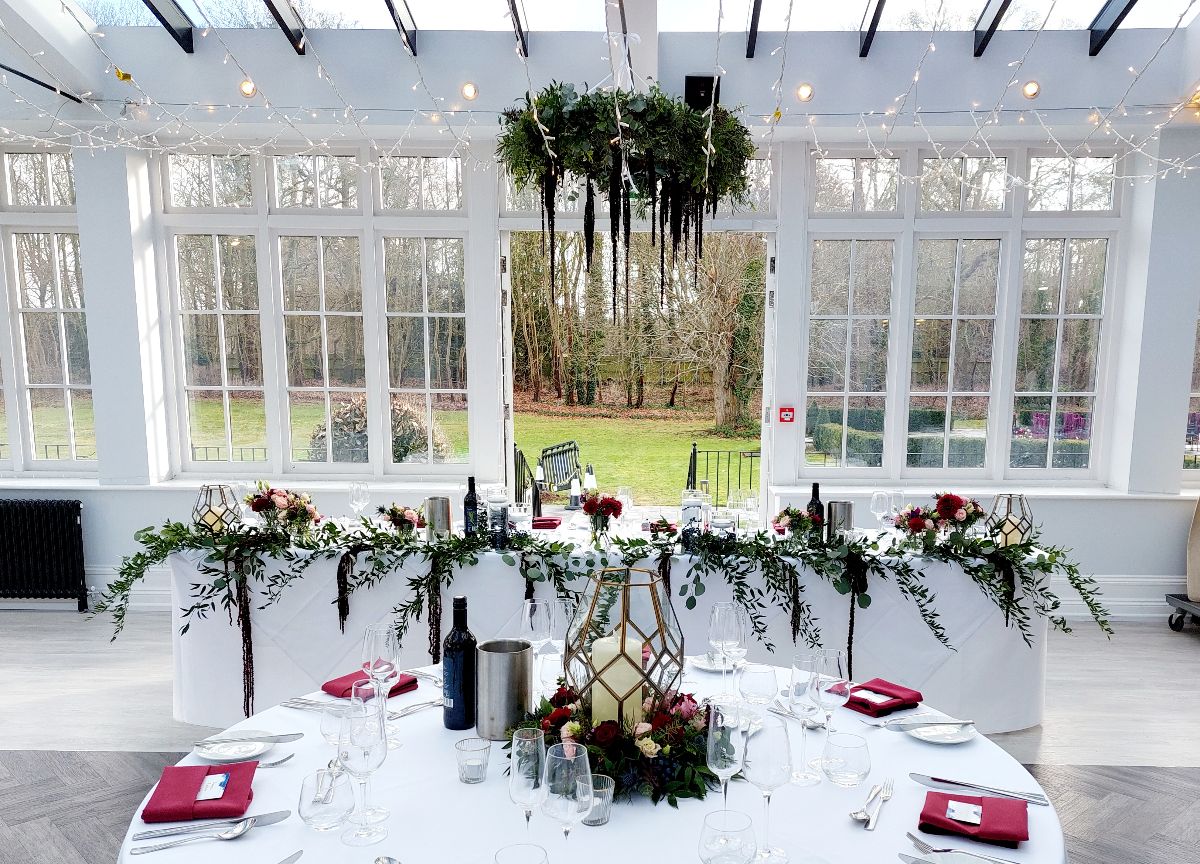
(787, 415)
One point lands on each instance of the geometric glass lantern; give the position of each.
(216, 509)
(623, 645)
(1010, 521)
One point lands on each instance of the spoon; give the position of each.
(231, 834)
(861, 814)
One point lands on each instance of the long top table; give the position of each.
(437, 820)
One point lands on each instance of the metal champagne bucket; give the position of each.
(840, 518)
(437, 518)
(505, 671)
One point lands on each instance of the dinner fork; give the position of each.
(277, 762)
(925, 849)
(884, 797)
(427, 676)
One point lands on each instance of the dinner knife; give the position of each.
(907, 859)
(193, 827)
(250, 739)
(960, 785)
(905, 725)
(293, 858)
(958, 856)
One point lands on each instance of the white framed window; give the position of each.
(208, 181)
(39, 181)
(421, 183)
(1059, 185)
(316, 182)
(1191, 438)
(855, 185)
(970, 184)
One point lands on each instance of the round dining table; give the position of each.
(436, 819)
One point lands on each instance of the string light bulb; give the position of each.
(1031, 89)
(248, 88)
(805, 92)
(1194, 102)
(470, 91)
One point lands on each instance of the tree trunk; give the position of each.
(674, 392)
(725, 405)
(640, 398)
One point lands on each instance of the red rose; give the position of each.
(817, 520)
(260, 503)
(562, 696)
(590, 505)
(916, 524)
(948, 505)
(660, 720)
(606, 733)
(557, 717)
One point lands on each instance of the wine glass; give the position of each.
(769, 766)
(360, 497)
(362, 747)
(727, 635)
(829, 687)
(881, 506)
(522, 853)
(896, 500)
(380, 653)
(366, 691)
(537, 624)
(568, 781)
(758, 684)
(561, 612)
(805, 667)
(528, 761)
(625, 496)
(727, 838)
(726, 741)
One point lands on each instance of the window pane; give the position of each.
(339, 182)
(347, 364)
(206, 426)
(233, 185)
(984, 183)
(930, 354)
(978, 275)
(70, 272)
(307, 424)
(28, 183)
(197, 274)
(35, 271)
(935, 277)
(1196, 362)
(400, 182)
(301, 272)
(402, 274)
(450, 427)
(868, 356)
(5, 452)
(295, 183)
(189, 181)
(940, 185)
(62, 180)
(1031, 432)
(879, 179)
(1092, 187)
(973, 355)
(201, 350)
(1049, 183)
(448, 353)
(1035, 354)
(51, 436)
(248, 426)
(968, 432)
(406, 351)
(926, 432)
(243, 354)
(830, 277)
(1085, 280)
(1072, 432)
(83, 423)
(78, 362)
(1191, 441)
(826, 355)
(303, 337)
(872, 277)
(835, 185)
(442, 183)
(349, 440)
(1042, 280)
(864, 431)
(444, 258)
(1077, 363)
(239, 272)
(410, 428)
(343, 284)
(43, 347)
(823, 431)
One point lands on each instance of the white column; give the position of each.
(485, 330)
(1157, 292)
(125, 322)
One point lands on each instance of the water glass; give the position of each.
(603, 788)
(881, 506)
(805, 667)
(362, 748)
(473, 756)
(758, 684)
(727, 838)
(625, 496)
(326, 800)
(846, 760)
(331, 721)
(522, 853)
(360, 496)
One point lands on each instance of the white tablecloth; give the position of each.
(992, 677)
(437, 820)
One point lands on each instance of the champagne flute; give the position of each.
(727, 635)
(525, 786)
(360, 497)
(537, 624)
(726, 741)
(568, 781)
(881, 506)
(380, 655)
(829, 688)
(769, 766)
(362, 748)
(805, 667)
(727, 838)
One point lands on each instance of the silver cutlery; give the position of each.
(861, 814)
(309, 705)
(385, 859)
(912, 859)
(209, 824)
(277, 762)
(293, 858)
(884, 797)
(426, 676)
(252, 739)
(906, 724)
(925, 849)
(782, 711)
(233, 833)
(959, 785)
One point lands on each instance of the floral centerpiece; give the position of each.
(600, 509)
(662, 756)
(282, 508)
(799, 522)
(949, 512)
(403, 519)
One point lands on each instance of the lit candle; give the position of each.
(621, 677)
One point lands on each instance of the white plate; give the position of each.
(239, 752)
(943, 734)
(707, 664)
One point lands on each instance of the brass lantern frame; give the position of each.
(1010, 521)
(217, 509)
(593, 620)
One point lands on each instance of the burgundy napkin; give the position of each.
(779, 529)
(546, 523)
(1005, 820)
(174, 798)
(902, 697)
(342, 687)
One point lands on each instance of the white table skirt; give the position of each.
(992, 677)
(437, 820)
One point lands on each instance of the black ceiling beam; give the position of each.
(175, 21)
(625, 40)
(39, 82)
(989, 23)
(407, 29)
(867, 28)
(518, 28)
(289, 22)
(1106, 22)
(752, 30)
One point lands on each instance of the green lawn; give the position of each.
(651, 456)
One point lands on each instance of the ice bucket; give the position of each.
(505, 670)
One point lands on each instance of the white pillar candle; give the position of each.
(622, 676)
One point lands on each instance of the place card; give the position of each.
(872, 697)
(961, 811)
(213, 787)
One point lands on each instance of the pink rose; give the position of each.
(687, 707)
(411, 516)
(960, 515)
(280, 501)
(642, 729)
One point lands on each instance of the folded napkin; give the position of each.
(902, 697)
(342, 687)
(779, 529)
(1005, 820)
(546, 523)
(174, 798)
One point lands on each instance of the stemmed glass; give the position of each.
(537, 624)
(360, 497)
(560, 618)
(727, 635)
(758, 684)
(522, 853)
(727, 838)
(828, 688)
(769, 766)
(805, 667)
(568, 781)
(362, 747)
(366, 691)
(380, 653)
(881, 506)
(525, 786)
(726, 741)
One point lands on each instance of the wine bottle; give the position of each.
(815, 508)
(458, 672)
(470, 509)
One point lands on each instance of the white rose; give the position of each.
(648, 747)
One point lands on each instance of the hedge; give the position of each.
(925, 450)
